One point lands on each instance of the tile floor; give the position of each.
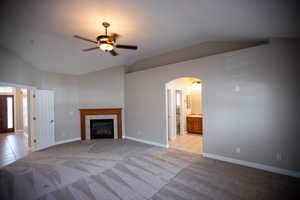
(189, 142)
(13, 146)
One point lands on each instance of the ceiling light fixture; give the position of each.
(106, 47)
(106, 43)
(196, 85)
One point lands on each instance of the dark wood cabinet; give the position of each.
(194, 124)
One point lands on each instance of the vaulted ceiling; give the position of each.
(40, 32)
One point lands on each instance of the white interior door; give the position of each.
(171, 114)
(44, 115)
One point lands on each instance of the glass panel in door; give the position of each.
(10, 118)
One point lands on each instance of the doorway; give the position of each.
(6, 113)
(179, 113)
(14, 111)
(184, 114)
(28, 121)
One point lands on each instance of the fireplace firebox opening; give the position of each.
(102, 128)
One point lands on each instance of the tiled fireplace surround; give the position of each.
(104, 113)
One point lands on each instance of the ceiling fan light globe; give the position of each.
(106, 47)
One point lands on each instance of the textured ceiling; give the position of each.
(41, 31)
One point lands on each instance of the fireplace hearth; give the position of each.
(102, 128)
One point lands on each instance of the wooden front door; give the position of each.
(6, 113)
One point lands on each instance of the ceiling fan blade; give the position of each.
(86, 39)
(123, 46)
(90, 49)
(113, 53)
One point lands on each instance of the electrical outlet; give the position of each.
(278, 157)
(238, 150)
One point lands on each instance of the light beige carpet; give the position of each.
(123, 169)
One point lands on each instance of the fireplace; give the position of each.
(86, 115)
(102, 128)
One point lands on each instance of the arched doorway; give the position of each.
(184, 115)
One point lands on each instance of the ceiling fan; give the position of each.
(106, 43)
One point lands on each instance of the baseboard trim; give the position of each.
(254, 165)
(67, 141)
(146, 142)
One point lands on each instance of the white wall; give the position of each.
(14, 69)
(196, 101)
(261, 118)
(102, 89)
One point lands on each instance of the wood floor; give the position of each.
(13, 146)
(192, 143)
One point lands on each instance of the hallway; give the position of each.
(189, 142)
(13, 146)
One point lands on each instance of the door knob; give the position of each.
(52, 121)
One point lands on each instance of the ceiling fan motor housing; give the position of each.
(106, 42)
(105, 39)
